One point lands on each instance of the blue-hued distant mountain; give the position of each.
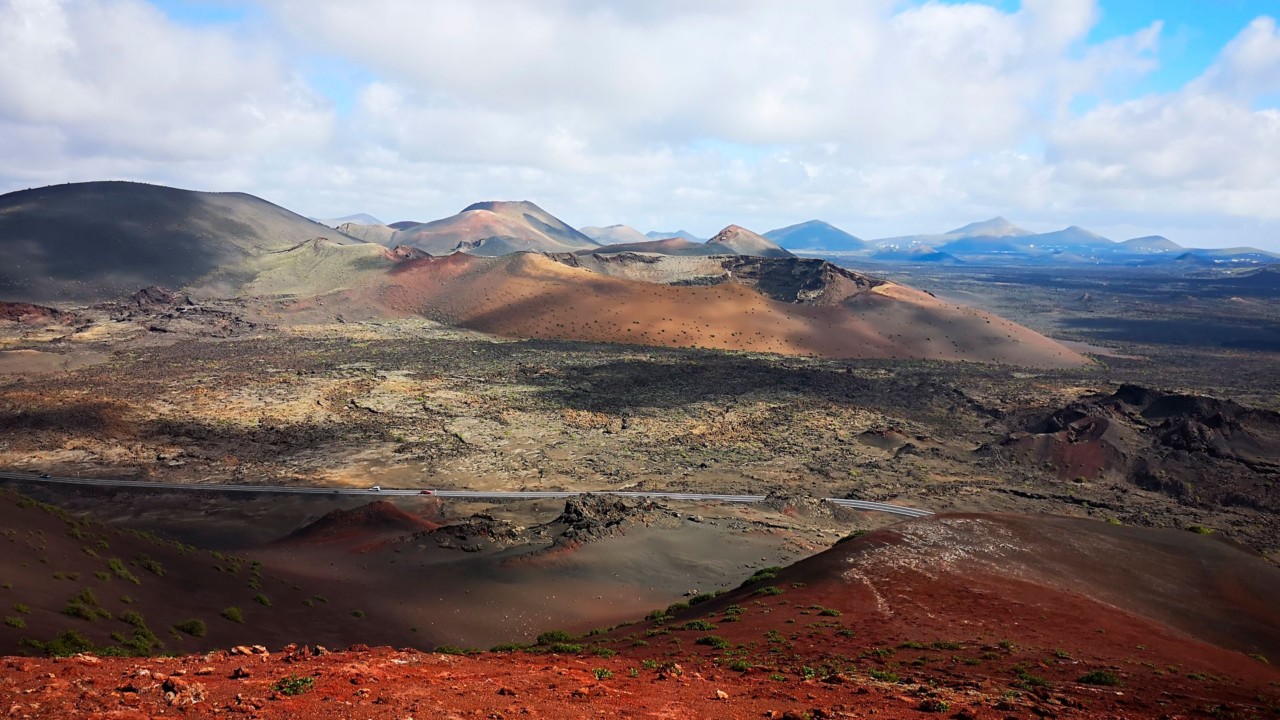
(995, 227)
(660, 235)
(815, 235)
(988, 236)
(999, 241)
(357, 219)
(996, 241)
(1151, 244)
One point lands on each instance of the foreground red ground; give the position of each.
(967, 616)
(387, 683)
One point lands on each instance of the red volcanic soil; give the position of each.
(368, 523)
(64, 573)
(532, 296)
(1030, 604)
(391, 684)
(1197, 448)
(21, 312)
(967, 616)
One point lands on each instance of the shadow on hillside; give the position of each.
(670, 379)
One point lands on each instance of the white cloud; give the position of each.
(882, 115)
(116, 79)
(1249, 65)
(1203, 149)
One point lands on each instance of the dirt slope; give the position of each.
(1026, 603)
(737, 240)
(966, 616)
(85, 242)
(363, 525)
(64, 573)
(535, 296)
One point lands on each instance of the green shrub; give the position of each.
(852, 536)
(739, 665)
(676, 607)
(152, 565)
(697, 625)
(117, 568)
(933, 705)
(604, 652)
(80, 610)
(294, 685)
(193, 627)
(602, 673)
(507, 647)
(21, 608)
(554, 636)
(830, 612)
(233, 614)
(564, 648)
(455, 650)
(714, 641)
(1100, 677)
(768, 590)
(884, 676)
(262, 600)
(64, 644)
(14, 621)
(762, 575)
(1026, 680)
(357, 613)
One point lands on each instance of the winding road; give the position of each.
(865, 505)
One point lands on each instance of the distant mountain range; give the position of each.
(733, 240)
(498, 228)
(999, 241)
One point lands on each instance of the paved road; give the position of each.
(477, 494)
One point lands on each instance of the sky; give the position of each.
(883, 117)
